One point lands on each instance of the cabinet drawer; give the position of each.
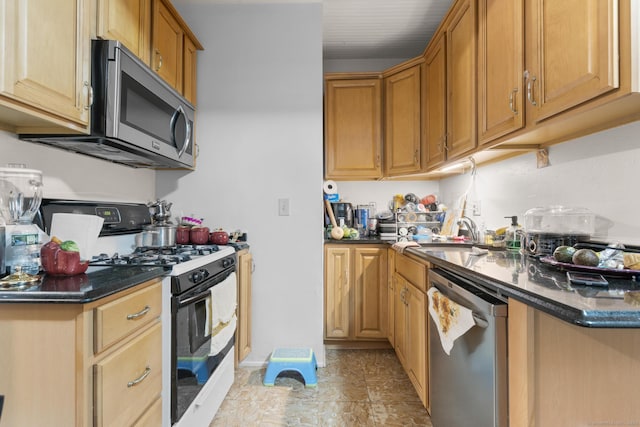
(127, 381)
(413, 271)
(152, 416)
(117, 319)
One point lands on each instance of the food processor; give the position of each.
(20, 198)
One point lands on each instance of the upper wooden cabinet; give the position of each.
(402, 119)
(173, 48)
(434, 96)
(461, 30)
(500, 68)
(128, 21)
(572, 54)
(45, 65)
(353, 126)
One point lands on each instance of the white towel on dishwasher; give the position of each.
(452, 319)
(220, 336)
(224, 299)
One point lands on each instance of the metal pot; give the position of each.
(158, 236)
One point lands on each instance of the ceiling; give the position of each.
(371, 29)
(376, 29)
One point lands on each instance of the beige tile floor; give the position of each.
(356, 388)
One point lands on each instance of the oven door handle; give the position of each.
(195, 298)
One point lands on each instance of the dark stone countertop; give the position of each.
(541, 286)
(96, 283)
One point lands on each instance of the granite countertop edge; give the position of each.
(82, 289)
(584, 318)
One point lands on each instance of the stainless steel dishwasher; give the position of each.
(468, 388)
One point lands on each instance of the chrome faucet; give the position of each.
(470, 225)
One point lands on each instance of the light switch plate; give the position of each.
(284, 207)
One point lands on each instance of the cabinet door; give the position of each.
(128, 21)
(370, 292)
(500, 68)
(45, 57)
(416, 335)
(353, 129)
(461, 80)
(337, 283)
(434, 95)
(190, 66)
(245, 267)
(402, 122)
(400, 319)
(391, 259)
(572, 53)
(167, 43)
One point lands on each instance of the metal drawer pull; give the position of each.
(511, 96)
(530, 91)
(141, 378)
(141, 313)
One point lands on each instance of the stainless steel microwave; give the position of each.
(137, 119)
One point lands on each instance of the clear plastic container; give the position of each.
(560, 220)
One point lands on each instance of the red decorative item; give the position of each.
(58, 262)
(219, 237)
(199, 235)
(183, 235)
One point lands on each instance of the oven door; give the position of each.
(193, 360)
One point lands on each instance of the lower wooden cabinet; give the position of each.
(243, 330)
(52, 372)
(410, 322)
(355, 292)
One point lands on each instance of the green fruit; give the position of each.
(564, 253)
(586, 257)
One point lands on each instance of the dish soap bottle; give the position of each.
(513, 235)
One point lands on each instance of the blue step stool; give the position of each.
(301, 360)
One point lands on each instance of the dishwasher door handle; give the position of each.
(480, 321)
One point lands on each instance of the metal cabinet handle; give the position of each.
(89, 95)
(530, 91)
(159, 60)
(511, 97)
(415, 156)
(141, 378)
(141, 313)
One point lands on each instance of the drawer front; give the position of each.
(413, 271)
(152, 416)
(119, 318)
(129, 380)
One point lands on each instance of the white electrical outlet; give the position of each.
(284, 207)
(475, 207)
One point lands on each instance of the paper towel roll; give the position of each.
(330, 187)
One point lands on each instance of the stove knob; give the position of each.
(227, 262)
(198, 276)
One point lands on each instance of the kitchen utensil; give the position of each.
(199, 235)
(159, 236)
(337, 233)
(160, 211)
(219, 237)
(546, 228)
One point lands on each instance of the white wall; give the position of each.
(259, 129)
(72, 176)
(597, 172)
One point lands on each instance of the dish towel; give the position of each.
(222, 334)
(452, 319)
(224, 299)
(401, 246)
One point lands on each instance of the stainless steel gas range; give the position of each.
(199, 308)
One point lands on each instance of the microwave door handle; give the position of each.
(174, 119)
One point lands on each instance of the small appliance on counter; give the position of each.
(20, 198)
(546, 228)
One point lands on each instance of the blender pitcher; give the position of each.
(20, 198)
